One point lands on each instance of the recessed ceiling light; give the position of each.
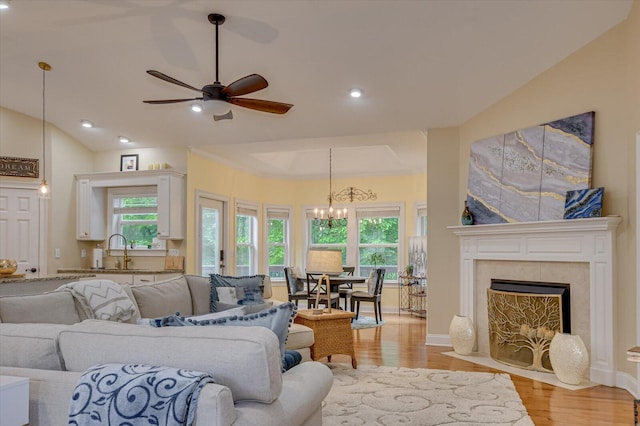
(4, 4)
(124, 139)
(86, 123)
(196, 107)
(355, 93)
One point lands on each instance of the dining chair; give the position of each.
(375, 296)
(345, 290)
(327, 298)
(295, 285)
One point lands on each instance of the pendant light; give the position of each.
(43, 190)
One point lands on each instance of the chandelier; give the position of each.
(333, 217)
(43, 190)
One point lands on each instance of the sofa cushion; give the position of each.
(200, 288)
(54, 307)
(31, 346)
(246, 359)
(163, 298)
(300, 336)
(277, 319)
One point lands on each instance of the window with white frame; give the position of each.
(421, 219)
(246, 238)
(133, 212)
(378, 237)
(277, 240)
(368, 230)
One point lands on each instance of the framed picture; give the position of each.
(583, 203)
(128, 162)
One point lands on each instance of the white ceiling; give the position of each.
(421, 64)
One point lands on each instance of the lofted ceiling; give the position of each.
(421, 64)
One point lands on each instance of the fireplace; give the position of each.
(584, 244)
(523, 317)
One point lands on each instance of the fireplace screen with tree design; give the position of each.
(523, 320)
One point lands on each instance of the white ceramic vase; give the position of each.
(569, 358)
(462, 334)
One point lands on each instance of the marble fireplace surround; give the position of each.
(578, 241)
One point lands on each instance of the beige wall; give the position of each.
(604, 77)
(444, 204)
(21, 136)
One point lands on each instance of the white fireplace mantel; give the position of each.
(578, 240)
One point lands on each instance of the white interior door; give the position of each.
(20, 227)
(210, 250)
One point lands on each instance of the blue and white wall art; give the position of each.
(524, 176)
(583, 203)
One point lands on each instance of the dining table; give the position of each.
(336, 281)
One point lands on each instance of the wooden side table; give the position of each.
(332, 333)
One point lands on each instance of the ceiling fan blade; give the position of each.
(245, 85)
(165, 77)
(261, 105)
(227, 116)
(172, 101)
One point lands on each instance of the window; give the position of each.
(134, 214)
(374, 230)
(246, 238)
(421, 219)
(278, 240)
(378, 238)
(329, 238)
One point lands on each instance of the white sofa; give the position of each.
(53, 346)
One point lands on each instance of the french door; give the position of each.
(211, 225)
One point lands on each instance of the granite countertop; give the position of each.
(120, 271)
(58, 277)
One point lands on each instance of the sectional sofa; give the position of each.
(48, 339)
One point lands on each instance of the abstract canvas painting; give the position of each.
(524, 176)
(583, 203)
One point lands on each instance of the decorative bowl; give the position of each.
(8, 266)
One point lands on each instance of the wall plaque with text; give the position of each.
(22, 167)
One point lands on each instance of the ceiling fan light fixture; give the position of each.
(4, 4)
(86, 124)
(355, 92)
(196, 107)
(216, 107)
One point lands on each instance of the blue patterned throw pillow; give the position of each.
(277, 319)
(248, 290)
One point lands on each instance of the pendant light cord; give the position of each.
(44, 163)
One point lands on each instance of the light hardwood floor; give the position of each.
(401, 343)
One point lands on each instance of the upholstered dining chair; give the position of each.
(295, 285)
(345, 290)
(374, 296)
(327, 297)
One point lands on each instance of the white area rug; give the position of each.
(548, 378)
(403, 396)
(365, 322)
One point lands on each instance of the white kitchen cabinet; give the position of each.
(171, 207)
(91, 204)
(90, 212)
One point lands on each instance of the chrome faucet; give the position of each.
(126, 259)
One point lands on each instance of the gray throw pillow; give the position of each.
(249, 289)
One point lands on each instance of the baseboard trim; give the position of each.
(629, 383)
(438, 340)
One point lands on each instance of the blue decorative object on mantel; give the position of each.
(583, 203)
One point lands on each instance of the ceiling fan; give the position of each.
(217, 93)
